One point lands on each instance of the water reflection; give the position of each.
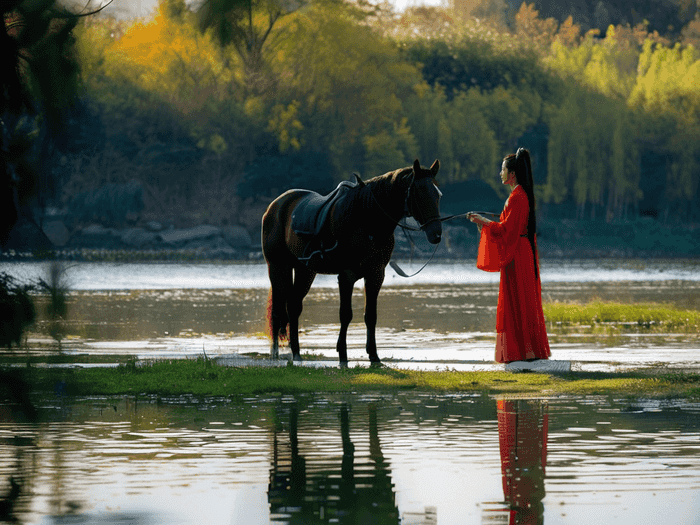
(381, 458)
(301, 492)
(522, 437)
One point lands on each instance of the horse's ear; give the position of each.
(416, 167)
(434, 168)
(359, 180)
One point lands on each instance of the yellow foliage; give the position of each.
(171, 59)
(285, 124)
(668, 81)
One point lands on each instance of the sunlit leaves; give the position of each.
(172, 59)
(358, 88)
(592, 159)
(286, 125)
(347, 85)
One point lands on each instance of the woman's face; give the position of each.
(507, 177)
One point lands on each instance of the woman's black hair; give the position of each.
(520, 164)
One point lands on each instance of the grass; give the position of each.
(650, 317)
(202, 377)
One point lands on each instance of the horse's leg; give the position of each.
(345, 285)
(281, 285)
(303, 279)
(373, 283)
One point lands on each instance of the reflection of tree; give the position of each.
(522, 436)
(299, 494)
(15, 407)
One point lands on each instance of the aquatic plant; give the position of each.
(655, 317)
(17, 311)
(201, 377)
(56, 287)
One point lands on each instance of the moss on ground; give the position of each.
(202, 377)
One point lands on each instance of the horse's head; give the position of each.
(423, 200)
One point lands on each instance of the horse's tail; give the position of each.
(282, 332)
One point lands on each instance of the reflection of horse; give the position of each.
(350, 233)
(522, 435)
(301, 493)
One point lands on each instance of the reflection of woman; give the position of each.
(520, 325)
(522, 436)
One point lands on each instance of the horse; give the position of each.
(350, 233)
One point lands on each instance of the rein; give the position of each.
(405, 227)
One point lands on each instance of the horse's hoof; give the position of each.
(297, 358)
(375, 363)
(343, 364)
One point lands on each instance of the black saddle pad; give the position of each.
(311, 212)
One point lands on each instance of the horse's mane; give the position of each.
(391, 179)
(380, 188)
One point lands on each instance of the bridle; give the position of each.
(408, 212)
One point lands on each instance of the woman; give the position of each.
(520, 325)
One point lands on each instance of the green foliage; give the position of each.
(17, 311)
(266, 95)
(592, 159)
(347, 85)
(200, 378)
(651, 316)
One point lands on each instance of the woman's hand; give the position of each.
(477, 219)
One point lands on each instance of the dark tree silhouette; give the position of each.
(38, 79)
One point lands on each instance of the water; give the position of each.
(444, 315)
(407, 458)
(160, 276)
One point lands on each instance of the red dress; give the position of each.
(520, 325)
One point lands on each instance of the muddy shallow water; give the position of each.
(407, 458)
(446, 314)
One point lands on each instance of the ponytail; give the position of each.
(523, 174)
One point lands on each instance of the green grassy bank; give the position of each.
(654, 317)
(202, 377)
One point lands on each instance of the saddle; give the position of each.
(311, 216)
(311, 212)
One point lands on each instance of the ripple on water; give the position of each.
(299, 456)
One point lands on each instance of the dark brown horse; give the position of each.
(354, 238)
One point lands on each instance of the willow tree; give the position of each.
(667, 93)
(593, 158)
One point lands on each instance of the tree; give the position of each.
(593, 160)
(347, 84)
(247, 25)
(38, 75)
(530, 26)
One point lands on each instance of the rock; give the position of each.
(97, 236)
(175, 237)
(237, 236)
(57, 232)
(138, 237)
(97, 230)
(546, 366)
(112, 203)
(26, 236)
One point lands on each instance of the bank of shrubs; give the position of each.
(212, 126)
